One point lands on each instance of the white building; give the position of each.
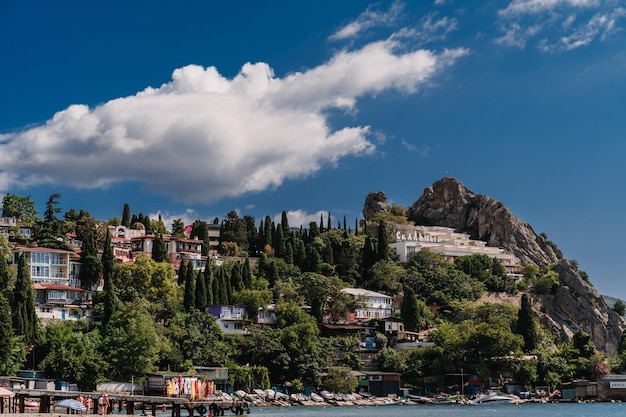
(452, 245)
(375, 305)
(54, 273)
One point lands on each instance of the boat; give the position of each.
(327, 395)
(316, 398)
(493, 399)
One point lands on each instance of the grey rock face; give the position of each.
(374, 203)
(575, 306)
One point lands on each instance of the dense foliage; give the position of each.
(151, 316)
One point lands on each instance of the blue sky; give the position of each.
(195, 108)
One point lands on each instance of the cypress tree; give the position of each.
(246, 274)
(111, 301)
(189, 296)
(368, 258)
(159, 250)
(526, 326)
(208, 282)
(321, 223)
(281, 249)
(285, 223)
(410, 311)
(274, 275)
(215, 286)
(329, 225)
(201, 292)
(268, 232)
(91, 266)
(6, 331)
(182, 273)
(382, 242)
(225, 290)
(235, 277)
(126, 216)
(24, 316)
(4, 274)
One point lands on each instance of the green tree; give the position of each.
(200, 297)
(619, 307)
(6, 330)
(178, 228)
(22, 208)
(411, 311)
(126, 216)
(182, 273)
(72, 354)
(383, 242)
(159, 250)
(111, 301)
(91, 266)
(131, 343)
(526, 326)
(189, 301)
(23, 308)
(340, 379)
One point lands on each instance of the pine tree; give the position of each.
(201, 292)
(111, 301)
(126, 216)
(526, 326)
(24, 317)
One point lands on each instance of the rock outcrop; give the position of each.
(449, 203)
(374, 203)
(575, 305)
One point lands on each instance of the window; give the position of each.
(39, 271)
(40, 258)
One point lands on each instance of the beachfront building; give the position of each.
(451, 245)
(374, 305)
(55, 276)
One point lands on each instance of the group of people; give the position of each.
(103, 404)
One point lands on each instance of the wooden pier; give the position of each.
(147, 404)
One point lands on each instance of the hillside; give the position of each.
(575, 305)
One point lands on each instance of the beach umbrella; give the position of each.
(5, 393)
(71, 404)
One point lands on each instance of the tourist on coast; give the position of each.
(103, 404)
(88, 404)
(81, 400)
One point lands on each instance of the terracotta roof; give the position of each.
(62, 287)
(39, 249)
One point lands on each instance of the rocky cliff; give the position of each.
(575, 306)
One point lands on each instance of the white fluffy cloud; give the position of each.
(202, 137)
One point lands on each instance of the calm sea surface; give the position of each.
(500, 410)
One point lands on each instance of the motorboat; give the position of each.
(493, 399)
(317, 398)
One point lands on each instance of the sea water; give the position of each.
(499, 410)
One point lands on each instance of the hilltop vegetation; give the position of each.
(151, 317)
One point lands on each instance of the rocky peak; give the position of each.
(575, 305)
(374, 203)
(449, 203)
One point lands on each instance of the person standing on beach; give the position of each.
(88, 403)
(81, 400)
